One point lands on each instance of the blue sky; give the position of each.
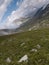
(7, 7)
(12, 10)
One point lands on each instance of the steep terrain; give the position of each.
(29, 43)
(41, 18)
(26, 48)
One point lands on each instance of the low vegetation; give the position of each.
(34, 44)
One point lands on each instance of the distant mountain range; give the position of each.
(40, 19)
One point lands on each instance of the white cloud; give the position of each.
(3, 7)
(1, 2)
(26, 7)
(17, 4)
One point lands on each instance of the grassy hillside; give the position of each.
(34, 44)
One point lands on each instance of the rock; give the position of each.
(38, 46)
(34, 50)
(8, 60)
(22, 44)
(24, 58)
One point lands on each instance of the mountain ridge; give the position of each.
(31, 22)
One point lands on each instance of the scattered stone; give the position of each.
(22, 44)
(30, 29)
(34, 50)
(8, 60)
(24, 58)
(38, 46)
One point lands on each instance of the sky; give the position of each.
(12, 10)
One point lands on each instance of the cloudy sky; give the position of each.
(11, 10)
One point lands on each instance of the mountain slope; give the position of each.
(34, 45)
(40, 19)
(41, 15)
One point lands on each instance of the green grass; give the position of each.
(11, 46)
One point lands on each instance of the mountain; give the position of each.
(41, 16)
(40, 19)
